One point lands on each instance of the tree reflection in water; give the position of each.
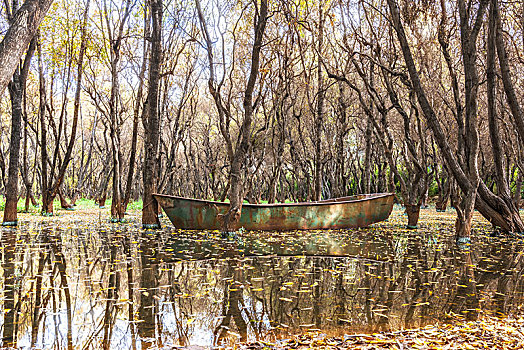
(10, 285)
(131, 289)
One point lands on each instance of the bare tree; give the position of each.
(151, 121)
(237, 154)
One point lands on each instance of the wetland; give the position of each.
(77, 282)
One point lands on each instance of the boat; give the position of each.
(338, 213)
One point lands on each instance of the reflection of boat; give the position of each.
(204, 245)
(344, 212)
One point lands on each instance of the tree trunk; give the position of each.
(319, 115)
(102, 191)
(237, 157)
(11, 189)
(464, 218)
(502, 201)
(117, 208)
(117, 211)
(340, 169)
(467, 178)
(28, 183)
(101, 200)
(511, 95)
(63, 201)
(47, 206)
(136, 114)
(2, 170)
(151, 121)
(517, 196)
(444, 192)
(413, 212)
(231, 218)
(16, 90)
(367, 155)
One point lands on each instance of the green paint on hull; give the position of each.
(339, 213)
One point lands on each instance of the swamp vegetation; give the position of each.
(251, 101)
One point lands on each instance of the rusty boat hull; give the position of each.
(338, 213)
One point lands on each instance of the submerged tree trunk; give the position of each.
(47, 205)
(102, 190)
(236, 190)
(116, 37)
(151, 121)
(11, 189)
(63, 201)
(28, 183)
(367, 155)
(16, 90)
(413, 213)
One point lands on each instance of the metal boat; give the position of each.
(337, 213)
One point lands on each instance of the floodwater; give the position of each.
(92, 287)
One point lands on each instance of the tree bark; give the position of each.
(236, 190)
(511, 95)
(319, 115)
(413, 212)
(16, 90)
(444, 186)
(47, 205)
(367, 155)
(517, 196)
(506, 205)
(115, 42)
(136, 114)
(22, 29)
(151, 121)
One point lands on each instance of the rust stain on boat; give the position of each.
(338, 213)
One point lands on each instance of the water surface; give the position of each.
(95, 286)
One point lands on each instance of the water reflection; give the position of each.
(130, 289)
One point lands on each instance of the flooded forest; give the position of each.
(261, 174)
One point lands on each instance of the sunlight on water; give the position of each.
(119, 286)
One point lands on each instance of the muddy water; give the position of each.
(123, 288)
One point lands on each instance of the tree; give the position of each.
(16, 90)
(465, 168)
(151, 121)
(115, 33)
(236, 154)
(51, 185)
(22, 29)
